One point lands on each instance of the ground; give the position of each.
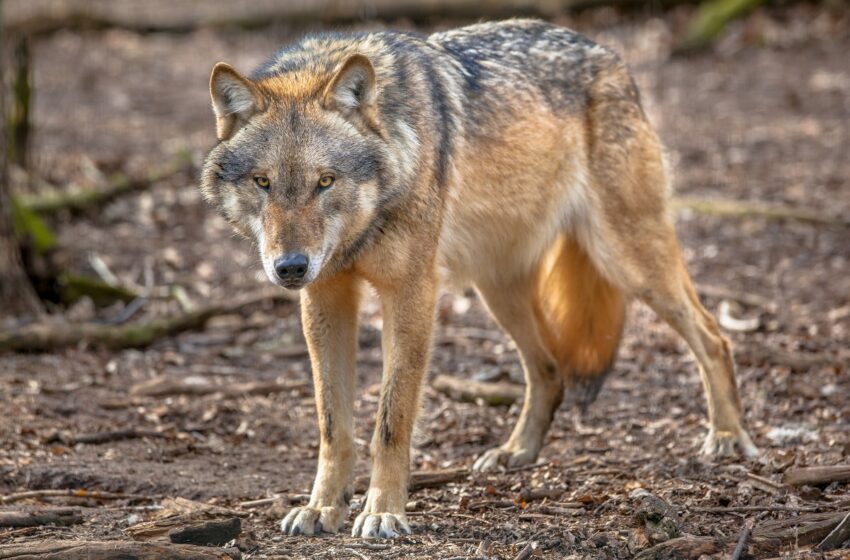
(763, 116)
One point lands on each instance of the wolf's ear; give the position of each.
(234, 98)
(353, 90)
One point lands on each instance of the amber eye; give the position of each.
(326, 181)
(262, 182)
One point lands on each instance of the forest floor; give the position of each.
(761, 117)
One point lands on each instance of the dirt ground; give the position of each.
(763, 116)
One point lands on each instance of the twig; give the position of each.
(744, 509)
(763, 481)
(467, 390)
(291, 498)
(358, 554)
(802, 530)
(753, 354)
(163, 386)
(86, 550)
(526, 552)
(102, 269)
(744, 209)
(420, 479)
(815, 476)
(102, 437)
(837, 537)
(743, 539)
(80, 493)
(368, 546)
(52, 516)
(527, 467)
(128, 311)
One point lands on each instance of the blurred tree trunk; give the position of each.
(17, 296)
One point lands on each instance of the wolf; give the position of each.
(513, 157)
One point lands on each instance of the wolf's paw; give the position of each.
(310, 520)
(384, 525)
(493, 459)
(729, 444)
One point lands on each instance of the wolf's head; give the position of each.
(300, 165)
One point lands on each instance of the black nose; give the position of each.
(292, 266)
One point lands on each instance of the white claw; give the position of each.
(383, 525)
(311, 520)
(728, 444)
(499, 457)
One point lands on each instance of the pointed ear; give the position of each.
(235, 99)
(353, 90)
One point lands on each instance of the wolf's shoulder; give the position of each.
(515, 38)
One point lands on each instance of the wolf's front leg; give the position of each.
(329, 315)
(408, 312)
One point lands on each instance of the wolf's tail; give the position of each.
(581, 316)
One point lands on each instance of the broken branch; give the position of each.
(420, 479)
(816, 476)
(44, 337)
(80, 493)
(162, 386)
(837, 537)
(803, 530)
(106, 550)
(85, 199)
(466, 390)
(743, 209)
(102, 437)
(52, 516)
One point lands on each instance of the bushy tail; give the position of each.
(581, 315)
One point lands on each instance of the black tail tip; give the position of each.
(584, 390)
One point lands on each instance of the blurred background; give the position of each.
(127, 306)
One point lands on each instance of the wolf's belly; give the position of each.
(498, 238)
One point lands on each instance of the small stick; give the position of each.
(358, 554)
(80, 493)
(291, 498)
(527, 467)
(837, 536)
(368, 546)
(818, 475)
(54, 516)
(744, 509)
(743, 540)
(763, 480)
(526, 552)
(103, 437)
(498, 393)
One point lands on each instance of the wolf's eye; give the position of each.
(326, 181)
(262, 182)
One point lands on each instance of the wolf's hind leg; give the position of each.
(329, 314)
(512, 305)
(629, 235)
(664, 284)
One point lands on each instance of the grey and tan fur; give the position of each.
(514, 157)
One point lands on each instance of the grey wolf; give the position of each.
(514, 157)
